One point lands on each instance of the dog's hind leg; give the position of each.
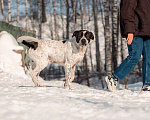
(40, 65)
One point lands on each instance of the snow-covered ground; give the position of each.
(20, 100)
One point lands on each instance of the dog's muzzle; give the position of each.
(83, 41)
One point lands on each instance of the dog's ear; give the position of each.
(75, 33)
(91, 35)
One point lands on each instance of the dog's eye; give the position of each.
(80, 34)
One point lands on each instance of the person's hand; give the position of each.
(130, 38)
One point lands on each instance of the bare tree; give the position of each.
(86, 71)
(114, 33)
(9, 12)
(85, 56)
(3, 10)
(89, 11)
(0, 10)
(62, 19)
(31, 14)
(107, 38)
(55, 20)
(4, 17)
(81, 14)
(26, 8)
(39, 20)
(84, 7)
(74, 12)
(51, 22)
(44, 19)
(91, 57)
(101, 11)
(17, 12)
(97, 42)
(67, 20)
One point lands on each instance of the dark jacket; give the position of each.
(135, 17)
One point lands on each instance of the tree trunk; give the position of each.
(84, 7)
(44, 19)
(85, 57)
(0, 10)
(89, 11)
(107, 38)
(26, 7)
(74, 13)
(97, 42)
(86, 71)
(103, 23)
(55, 20)
(9, 12)
(51, 22)
(91, 57)
(81, 14)
(31, 14)
(114, 33)
(18, 13)
(39, 20)
(61, 9)
(67, 13)
(4, 17)
(101, 10)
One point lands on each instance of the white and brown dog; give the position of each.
(67, 53)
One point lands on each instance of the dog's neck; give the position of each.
(76, 48)
(82, 50)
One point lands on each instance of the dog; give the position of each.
(67, 53)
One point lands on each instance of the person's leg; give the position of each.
(135, 51)
(146, 61)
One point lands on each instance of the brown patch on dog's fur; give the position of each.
(33, 45)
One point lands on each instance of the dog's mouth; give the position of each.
(83, 45)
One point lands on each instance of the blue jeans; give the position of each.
(139, 46)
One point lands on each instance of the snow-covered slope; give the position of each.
(9, 60)
(20, 100)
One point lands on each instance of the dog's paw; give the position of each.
(39, 85)
(70, 88)
(65, 85)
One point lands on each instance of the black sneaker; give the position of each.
(146, 88)
(111, 83)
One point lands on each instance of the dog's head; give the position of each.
(83, 37)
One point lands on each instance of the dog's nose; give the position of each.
(83, 41)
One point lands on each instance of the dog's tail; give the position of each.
(30, 42)
(27, 38)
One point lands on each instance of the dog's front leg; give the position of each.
(68, 75)
(72, 73)
(34, 76)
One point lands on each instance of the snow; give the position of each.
(9, 60)
(21, 100)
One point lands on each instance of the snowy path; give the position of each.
(20, 100)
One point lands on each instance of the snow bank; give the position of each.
(9, 60)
